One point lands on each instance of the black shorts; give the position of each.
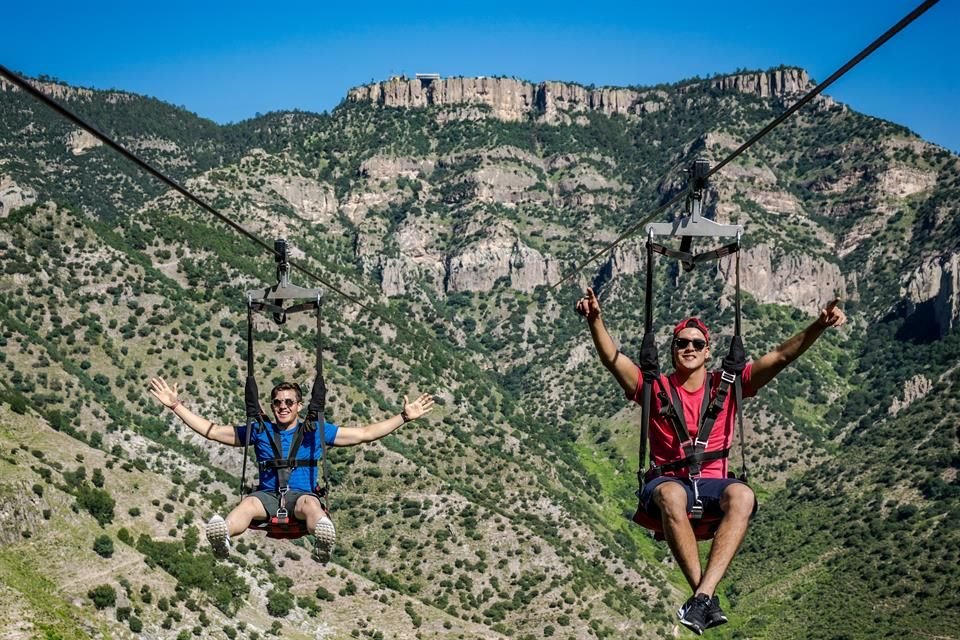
(709, 489)
(271, 500)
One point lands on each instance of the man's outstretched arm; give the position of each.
(348, 436)
(623, 368)
(167, 396)
(766, 368)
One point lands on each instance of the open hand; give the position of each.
(417, 408)
(162, 392)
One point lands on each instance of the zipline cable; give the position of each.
(28, 88)
(810, 95)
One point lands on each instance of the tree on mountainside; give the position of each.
(103, 546)
(103, 596)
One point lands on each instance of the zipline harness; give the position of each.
(694, 447)
(271, 301)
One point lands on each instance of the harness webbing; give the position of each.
(251, 396)
(671, 408)
(271, 301)
(690, 260)
(316, 411)
(285, 465)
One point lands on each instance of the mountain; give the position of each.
(449, 207)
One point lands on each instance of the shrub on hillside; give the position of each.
(103, 546)
(103, 596)
(97, 502)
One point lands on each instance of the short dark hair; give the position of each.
(287, 386)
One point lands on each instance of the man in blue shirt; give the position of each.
(286, 401)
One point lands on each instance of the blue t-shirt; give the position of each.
(301, 478)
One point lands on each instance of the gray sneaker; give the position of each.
(715, 615)
(218, 537)
(693, 613)
(324, 537)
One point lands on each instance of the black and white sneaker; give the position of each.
(324, 537)
(693, 613)
(715, 615)
(218, 536)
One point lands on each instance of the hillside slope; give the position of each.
(505, 513)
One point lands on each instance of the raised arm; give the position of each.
(767, 367)
(168, 397)
(623, 369)
(348, 436)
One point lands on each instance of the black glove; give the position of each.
(736, 358)
(318, 403)
(649, 358)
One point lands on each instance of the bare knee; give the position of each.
(671, 498)
(738, 499)
(308, 507)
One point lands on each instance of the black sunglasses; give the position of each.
(277, 402)
(683, 343)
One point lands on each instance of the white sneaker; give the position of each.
(218, 536)
(324, 537)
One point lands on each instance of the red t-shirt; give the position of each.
(664, 443)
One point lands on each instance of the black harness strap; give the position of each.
(321, 419)
(284, 466)
(738, 383)
(671, 408)
(647, 391)
(283, 463)
(694, 448)
(690, 260)
(251, 399)
(699, 458)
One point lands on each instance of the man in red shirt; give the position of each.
(669, 497)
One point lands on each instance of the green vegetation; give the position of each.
(508, 510)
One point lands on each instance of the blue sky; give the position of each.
(229, 61)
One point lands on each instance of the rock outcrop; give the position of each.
(900, 182)
(936, 282)
(913, 389)
(311, 200)
(799, 280)
(500, 256)
(764, 84)
(65, 92)
(384, 167)
(13, 196)
(513, 100)
(80, 141)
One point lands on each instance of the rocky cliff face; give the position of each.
(797, 280)
(65, 92)
(778, 83)
(514, 100)
(913, 389)
(936, 282)
(498, 257)
(13, 196)
(802, 281)
(480, 265)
